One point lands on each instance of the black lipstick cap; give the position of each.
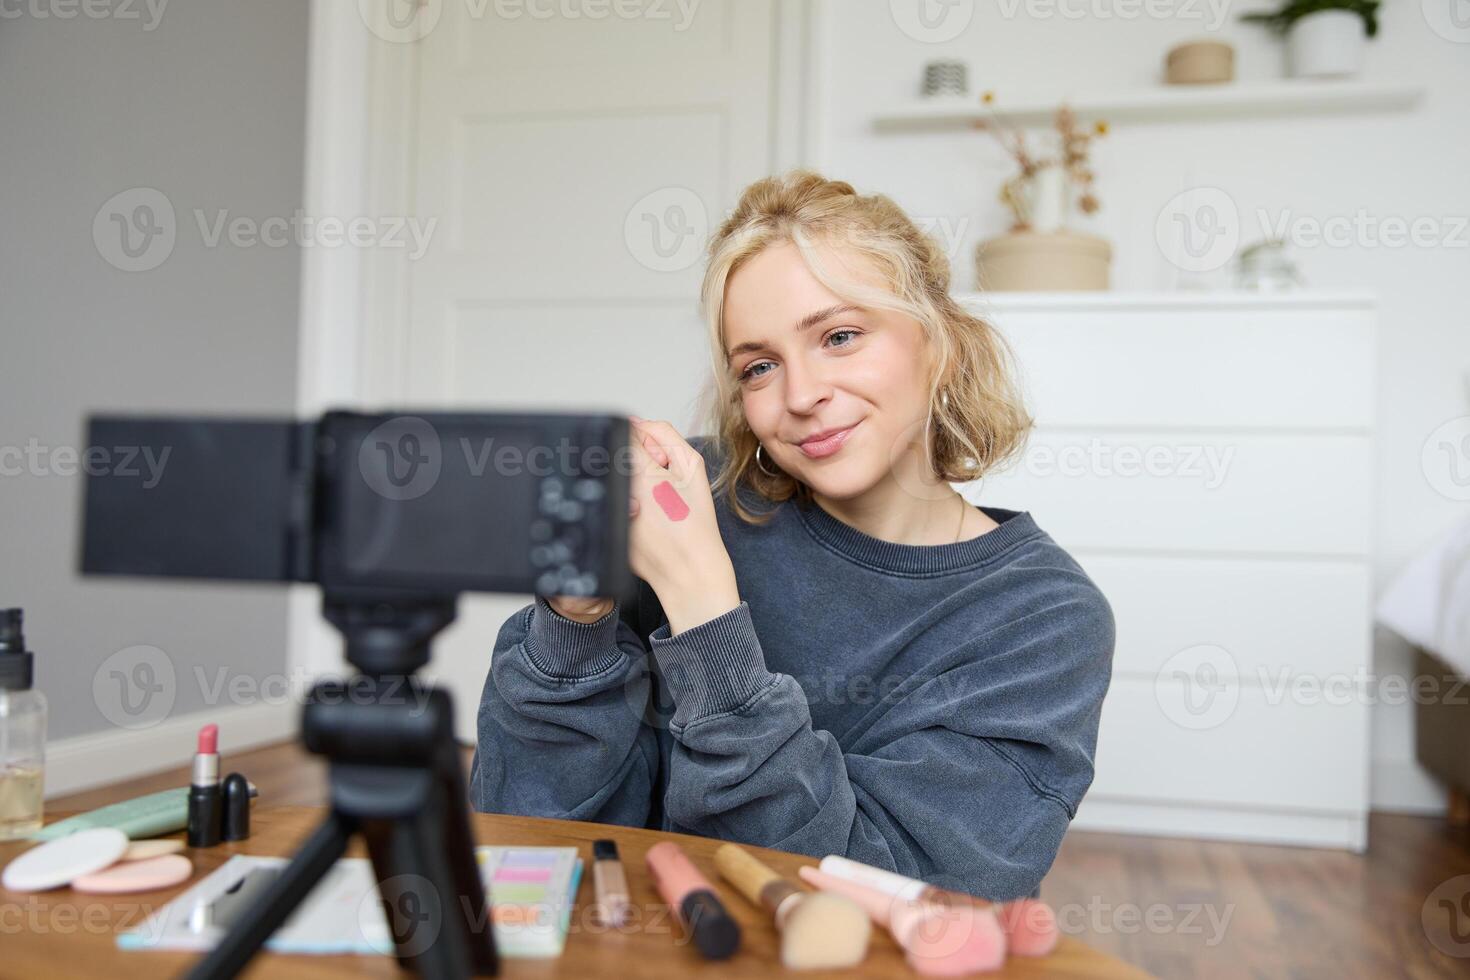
(236, 792)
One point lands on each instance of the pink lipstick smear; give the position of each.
(668, 498)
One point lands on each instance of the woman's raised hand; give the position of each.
(674, 543)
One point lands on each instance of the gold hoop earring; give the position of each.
(761, 466)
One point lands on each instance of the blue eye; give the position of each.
(837, 333)
(750, 371)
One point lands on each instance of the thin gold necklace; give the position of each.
(961, 528)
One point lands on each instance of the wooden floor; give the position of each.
(1175, 908)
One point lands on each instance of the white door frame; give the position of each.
(361, 96)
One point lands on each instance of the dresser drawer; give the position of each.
(1273, 618)
(1251, 366)
(1186, 742)
(1263, 493)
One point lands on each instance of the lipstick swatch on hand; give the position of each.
(668, 498)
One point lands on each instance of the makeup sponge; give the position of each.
(146, 875)
(824, 931)
(57, 862)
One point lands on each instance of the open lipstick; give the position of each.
(206, 807)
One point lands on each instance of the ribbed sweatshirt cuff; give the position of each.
(569, 650)
(711, 668)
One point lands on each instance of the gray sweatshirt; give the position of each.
(928, 709)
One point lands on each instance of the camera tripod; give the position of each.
(395, 779)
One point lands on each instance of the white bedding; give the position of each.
(1429, 603)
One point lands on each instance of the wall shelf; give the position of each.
(1219, 299)
(1294, 97)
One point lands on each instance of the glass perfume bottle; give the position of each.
(22, 733)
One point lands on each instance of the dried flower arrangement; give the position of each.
(1072, 156)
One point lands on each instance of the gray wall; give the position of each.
(207, 107)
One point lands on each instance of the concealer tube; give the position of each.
(610, 884)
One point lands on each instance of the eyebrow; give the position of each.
(805, 323)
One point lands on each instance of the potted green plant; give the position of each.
(1324, 38)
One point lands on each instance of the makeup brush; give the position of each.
(1030, 924)
(819, 930)
(938, 941)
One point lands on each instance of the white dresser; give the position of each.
(1208, 459)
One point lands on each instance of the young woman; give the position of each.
(831, 652)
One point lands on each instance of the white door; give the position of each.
(576, 164)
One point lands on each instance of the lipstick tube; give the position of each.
(206, 810)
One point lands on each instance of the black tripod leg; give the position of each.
(312, 861)
(459, 841)
(429, 880)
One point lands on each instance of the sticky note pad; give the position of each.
(532, 890)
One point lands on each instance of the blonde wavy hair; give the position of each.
(979, 422)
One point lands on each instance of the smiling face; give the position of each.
(809, 362)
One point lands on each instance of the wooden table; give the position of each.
(60, 934)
